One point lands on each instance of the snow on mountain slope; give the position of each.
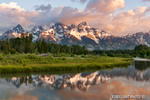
(72, 32)
(48, 35)
(13, 33)
(139, 38)
(75, 33)
(36, 32)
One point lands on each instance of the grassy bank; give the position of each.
(26, 63)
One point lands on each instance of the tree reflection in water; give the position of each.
(142, 65)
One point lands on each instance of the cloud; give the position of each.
(141, 9)
(105, 6)
(115, 23)
(75, 16)
(11, 5)
(65, 15)
(11, 14)
(43, 8)
(125, 22)
(146, 0)
(80, 1)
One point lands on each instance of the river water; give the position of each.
(131, 83)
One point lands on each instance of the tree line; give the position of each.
(25, 45)
(142, 51)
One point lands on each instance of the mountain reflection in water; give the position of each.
(100, 85)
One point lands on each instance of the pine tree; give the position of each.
(30, 37)
(43, 46)
(6, 47)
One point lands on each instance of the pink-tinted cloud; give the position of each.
(12, 14)
(74, 16)
(129, 22)
(105, 6)
(98, 13)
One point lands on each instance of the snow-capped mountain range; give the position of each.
(139, 38)
(13, 33)
(81, 34)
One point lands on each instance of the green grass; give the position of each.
(27, 63)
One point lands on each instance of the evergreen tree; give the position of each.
(30, 37)
(43, 46)
(6, 47)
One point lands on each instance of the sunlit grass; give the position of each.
(26, 63)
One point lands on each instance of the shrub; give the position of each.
(1, 57)
(30, 56)
(63, 58)
(13, 51)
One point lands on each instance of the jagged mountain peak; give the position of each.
(139, 38)
(83, 26)
(37, 28)
(83, 23)
(137, 34)
(71, 26)
(13, 33)
(58, 26)
(18, 25)
(18, 29)
(58, 23)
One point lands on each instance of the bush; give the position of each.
(72, 55)
(1, 57)
(63, 59)
(30, 56)
(83, 56)
(24, 64)
(13, 51)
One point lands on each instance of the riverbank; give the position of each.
(27, 63)
(141, 59)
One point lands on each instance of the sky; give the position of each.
(117, 17)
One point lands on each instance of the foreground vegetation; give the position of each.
(25, 63)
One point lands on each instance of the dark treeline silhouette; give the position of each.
(115, 53)
(142, 51)
(25, 45)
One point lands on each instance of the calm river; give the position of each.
(132, 83)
